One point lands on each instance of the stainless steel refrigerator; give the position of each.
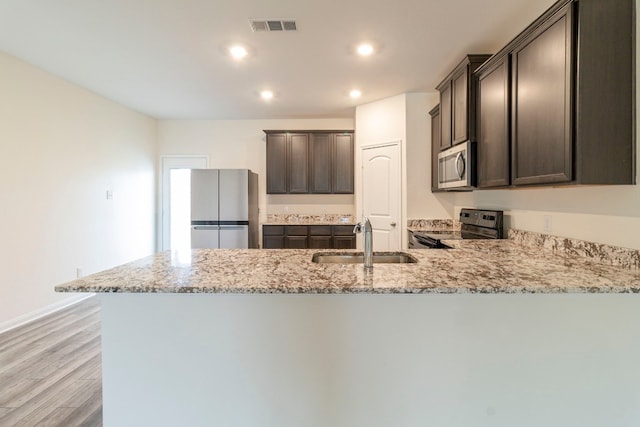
(224, 208)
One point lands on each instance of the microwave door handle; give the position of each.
(460, 165)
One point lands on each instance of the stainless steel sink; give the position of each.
(358, 258)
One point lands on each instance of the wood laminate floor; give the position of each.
(50, 370)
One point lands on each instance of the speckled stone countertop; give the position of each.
(486, 266)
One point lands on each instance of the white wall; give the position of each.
(403, 118)
(242, 144)
(421, 202)
(63, 147)
(371, 360)
(377, 123)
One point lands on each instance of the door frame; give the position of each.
(163, 232)
(402, 221)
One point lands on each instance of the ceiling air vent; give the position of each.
(258, 25)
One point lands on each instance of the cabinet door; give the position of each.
(296, 230)
(445, 117)
(344, 242)
(319, 237)
(273, 242)
(342, 230)
(319, 242)
(343, 237)
(435, 146)
(296, 242)
(273, 230)
(343, 163)
(276, 163)
(493, 125)
(319, 230)
(320, 163)
(298, 164)
(542, 132)
(460, 106)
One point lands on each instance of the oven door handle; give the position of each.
(422, 241)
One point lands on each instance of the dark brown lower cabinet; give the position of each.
(344, 242)
(320, 242)
(319, 237)
(296, 242)
(272, 242)
(308, 237)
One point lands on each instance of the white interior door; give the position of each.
(381, 194)
(167, 164)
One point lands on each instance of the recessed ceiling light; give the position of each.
(365, 49)
(238, 52)
(266, 95)
(355, 93)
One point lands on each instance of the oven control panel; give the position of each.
(481, 218)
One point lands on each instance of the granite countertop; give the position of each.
(311, 222)
(486, 266)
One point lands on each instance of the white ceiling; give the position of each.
(169, 59)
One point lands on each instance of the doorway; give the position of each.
(381, 194)
(174, 195)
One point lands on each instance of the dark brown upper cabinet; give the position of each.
(316, 162)
(435, 146)
(287, 163)
(493, 148)
(458, 102)
(343, 159)
(321, 163)
(445, 120)
(542, 136)
(277, 163)
(571, 99)
(298, 163)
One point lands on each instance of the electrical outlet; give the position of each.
(79, 272)
(548, 224)
(109, 195)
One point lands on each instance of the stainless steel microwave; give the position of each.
(456, 167)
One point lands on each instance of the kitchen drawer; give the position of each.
(297, 230)
(273, 230)
(342, 230)
(320, 230)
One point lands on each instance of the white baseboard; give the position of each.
(33, 315)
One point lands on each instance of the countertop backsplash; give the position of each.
(433, 224)
(321, 219)
(600, 252)
(608, 254)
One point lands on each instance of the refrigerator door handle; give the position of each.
(205, 227)
(233, 227)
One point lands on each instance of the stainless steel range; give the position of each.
(475, 224)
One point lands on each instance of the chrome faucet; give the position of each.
(367, 232)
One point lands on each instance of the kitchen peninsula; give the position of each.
(488, 333)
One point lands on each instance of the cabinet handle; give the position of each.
(460, 165)
(393, 224)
